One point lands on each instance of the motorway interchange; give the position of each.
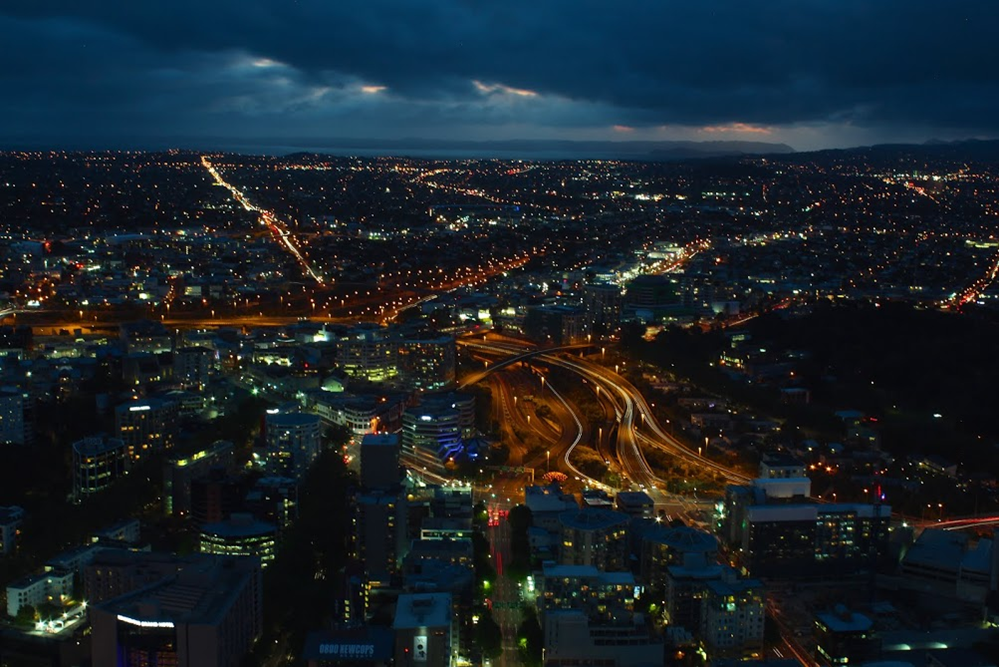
(637, 430)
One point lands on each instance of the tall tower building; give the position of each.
(294, 440)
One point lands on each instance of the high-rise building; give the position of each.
(180, 471)
(427, 364)
(588, 617)
(658, 546)
(461, 401)
(367, 352)
(711, 602)
(14, 428)
(192, 365)
(98, 462)
(596, 537)
(146, 426)
(776, 529)
(602, 596)
(206, 615)
(380, 532)
(216, 496)
(294, 441)
(240, 535)
(380, 461)
(733, 616)
(602, 304)
(274, 500)
(432, 429)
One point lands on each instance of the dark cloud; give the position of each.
(316, 67)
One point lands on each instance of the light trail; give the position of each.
(267, 218)
(631, 403)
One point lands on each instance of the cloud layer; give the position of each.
(808, 72)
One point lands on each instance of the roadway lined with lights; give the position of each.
(267, 218)
(630, 406)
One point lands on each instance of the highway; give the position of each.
(277, 228)
(637, 422)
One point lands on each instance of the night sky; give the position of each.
(810, 73)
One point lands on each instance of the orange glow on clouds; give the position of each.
(371, 90)
(622, 128)
(736, 128)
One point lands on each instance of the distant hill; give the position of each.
(981, 150)
(515, 148)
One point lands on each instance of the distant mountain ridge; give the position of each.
(532, 148)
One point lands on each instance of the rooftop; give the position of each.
(843, 620)
(200, 593)
(432, 610)
(592, 518)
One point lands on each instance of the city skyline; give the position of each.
(816, 76)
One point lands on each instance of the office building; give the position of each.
(423, 630)
(206, 615)
(294, 441)
(360, 413)
(241, 535)
(652, 292)
(594, 537)
(180, 471)
(432, 429)
(98, 463)
(10, 528)
(146, 426)
(461, 401)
